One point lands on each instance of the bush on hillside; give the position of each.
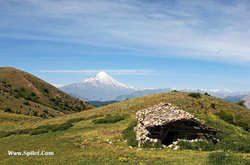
(5, 133)
(26, 102)
(45, 90)
(129, 135)
(196, 145)
(242, 103)
(226, 116)
(207, 94)
(53, 128)
(75, 120)
(194, 95)
(234, 143)
(7, 109)
(62, 127)
(27, 95)
(38, 131)
(213, 105)
(219, 158)
(243, 125)
(148, 144)
(23, 131)
(42, 129)
(234, 119)
(109, 119)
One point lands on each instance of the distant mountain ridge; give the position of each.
(220, 93)
(101, 87)
(142, 92)
(235, 99)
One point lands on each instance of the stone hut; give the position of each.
(167, 123)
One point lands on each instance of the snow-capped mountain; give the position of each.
(101, 87)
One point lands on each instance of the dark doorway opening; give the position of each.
(185, 129)
(169, 138)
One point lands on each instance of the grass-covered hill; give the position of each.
(105, 135)
(23, 93)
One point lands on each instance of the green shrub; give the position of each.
(24, 131)
(206, 94)
(235, 120)
(26, 102)
(194, 95)
(220, 158)
(243, 125)
(242, 103)
(50, 128)
(148, 144)
(39, 131)
(129, 134)
(34, 113)
(7, 109)
(234, 143)
(5, 134)
(226, 116)
(8, 133)
(43, 115)
(45, 90)
(61, 127)
(109, 119)
(27, 95)
(196, 145)
(213, 105)
(75, 120)
(227, 142)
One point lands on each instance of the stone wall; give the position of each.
(161, 116)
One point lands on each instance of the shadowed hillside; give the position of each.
(23, 93)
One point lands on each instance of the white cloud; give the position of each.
(196, 29)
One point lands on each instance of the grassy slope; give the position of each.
(49, 101)
(86, 142)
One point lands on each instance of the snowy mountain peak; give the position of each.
(103, 77)
(102, 74)
(101, 87)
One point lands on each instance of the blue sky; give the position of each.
(153, 44)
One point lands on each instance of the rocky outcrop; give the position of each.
(165, 122)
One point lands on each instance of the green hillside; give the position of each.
(23, 93)
(97, 136)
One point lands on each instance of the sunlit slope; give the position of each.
(205, 108)
(23, 93)
(87, 142)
